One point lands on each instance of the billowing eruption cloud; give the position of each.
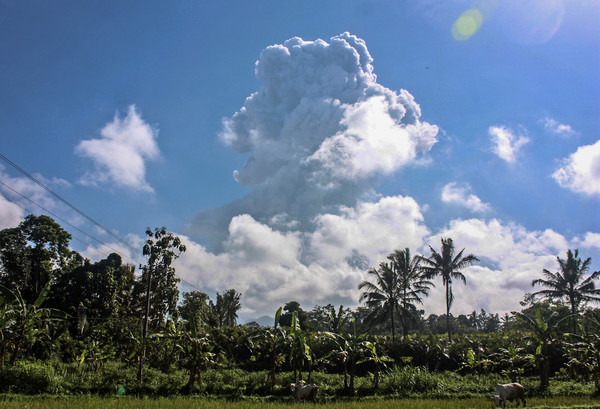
(318, 135)
(319, 131)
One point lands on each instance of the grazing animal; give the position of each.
(304, 392)
(510, 392)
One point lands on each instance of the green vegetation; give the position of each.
(71, 330)
(88, 402)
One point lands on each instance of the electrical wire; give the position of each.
(57, 217)
(56, 195)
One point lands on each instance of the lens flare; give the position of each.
(533, 21)
(467, 24)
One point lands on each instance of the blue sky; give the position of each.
(476, 120)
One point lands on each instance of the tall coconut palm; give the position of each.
(448, 266)
(412, 283)
(382, 296)
(226, 308)
(570, 283)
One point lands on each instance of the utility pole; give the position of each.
(145, 326)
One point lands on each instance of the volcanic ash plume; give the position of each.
(318, 131)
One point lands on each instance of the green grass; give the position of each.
(89, 402)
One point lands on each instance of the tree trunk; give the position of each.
(345, 376)
(272, 374)
(404, 328)
(544, 374)
(448, 311)
(573, 323)
(145, 329)
(403, 317)
(191, 380)
(13, 358)
(352, 373)
(393, 327)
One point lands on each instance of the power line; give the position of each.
(58, 217)
(75, 227)
(57, 196)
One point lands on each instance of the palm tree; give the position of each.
(383, 296)
(449, 266)
(570, 283)
(412, 282)
(226, 308)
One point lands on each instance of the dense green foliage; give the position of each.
(89, 402)
(69, 326)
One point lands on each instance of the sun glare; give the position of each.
(467, 24)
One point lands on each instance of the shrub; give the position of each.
(30, 378)
(409, 380)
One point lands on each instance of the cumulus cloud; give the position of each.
(319, 132)
(590, 240)
(506, 143)
(320, 101)
(556, 128)
(20, 193)
(271, 267)
(10, 214)
(510, 258)
(120, 155)
(370, 229)
(460, 195)
(581, 171)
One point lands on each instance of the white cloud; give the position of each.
(581, 171)
(18, 190)
(320, 131)
(271, 267)
(323, 97)
(120, 155)
(371, 230)
(506, 143)
(590, 240)
(264, 265)
(373, 142)
(10, 214)
(556, 128)
(511, 257)
(453, 193)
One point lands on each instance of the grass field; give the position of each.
(88, 402)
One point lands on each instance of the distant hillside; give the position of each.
(265, 321)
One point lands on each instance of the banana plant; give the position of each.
(476, 362)
(544, 337)
(270, 344)
(198, 350)
(517, 360)
(24, 324)
(347, 350)
(585, 350)
(379, 361)
(337, 321)
(300, 351)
